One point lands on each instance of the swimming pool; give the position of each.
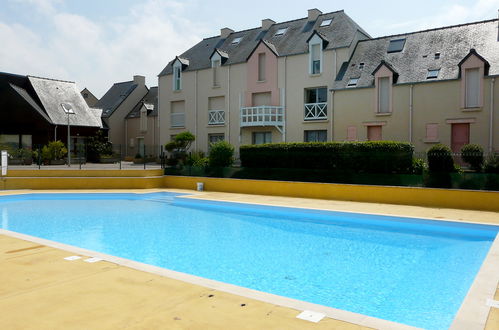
(411, 271)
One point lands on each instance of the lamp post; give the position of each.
(68, 109)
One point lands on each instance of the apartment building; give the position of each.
(323, 78)
(267, 84)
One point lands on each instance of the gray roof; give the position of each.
(150, 101)
(340, 33)
(54, 92)
(418, 56)
(114, 97)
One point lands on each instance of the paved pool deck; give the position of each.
(41, 290)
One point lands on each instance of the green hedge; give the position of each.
(367, 157)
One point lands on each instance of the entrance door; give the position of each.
(460, 135)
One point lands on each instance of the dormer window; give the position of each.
(326, 22)
(432, 74)
(437, 56)
(215, 64)
(143, 119)
(472, 88)
(473, 67)
(361, 65)
(280, 32)
(353, 82)
(236, 41)
(396, 45)
(177, 76)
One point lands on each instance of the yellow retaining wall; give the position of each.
(43, 183)
(459, 199)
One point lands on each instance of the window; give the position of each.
(237, 40)
(361, 65)
(261, 137)
(261, 67)
(214, 138)
(431, 133)
(85, 95)
(326, 22)
(280, 32)
(177, 77)
(216, 113)
(316, 103)
(143, 119)
(177, 114)
(374, 133)
(437, 56)
(215, 64)
(384, 95)
(432, 74)
(352, 82)
(315, 136)
(396, 45)
(315, 55)
(472, 88)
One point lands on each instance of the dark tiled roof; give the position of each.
(25, 95)
(54, 92)
(340, 33)
(114, 97)
(150, 101)
(418, 56)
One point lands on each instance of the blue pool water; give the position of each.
(411, 271)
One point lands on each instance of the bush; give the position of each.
(492, 164)
(54, 150)
(418, 166)
(194, 157)
(440, 159)
(473, 155)
(368, 157)
(97, 146)
(179, 146)
(221, 154)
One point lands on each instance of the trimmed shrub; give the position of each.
(194, 157)
(440, 159)
(473, 155)
(221, 154)
(54, 150)
(368, 157)
(492, 164)
(418, 166)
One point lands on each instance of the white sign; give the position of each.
(4, 162)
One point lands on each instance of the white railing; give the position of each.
(216, 117)
(264, 115)
(177, 119)
(315, 111)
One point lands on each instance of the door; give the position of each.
(460, 135)
(374, 133)
(140, 146)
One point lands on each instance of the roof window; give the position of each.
(361, 65)
(432, 74)
(396, 45)
(280, 32)
(437, 56)
(326, 22)
(353, 82)
(237, 40)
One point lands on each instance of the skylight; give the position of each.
(361, 65)
(396, 45)
(237, 40)
(353, 82)
(326, 22)
(280, 32)
(437, 56)
(68, 109)
(432, 74)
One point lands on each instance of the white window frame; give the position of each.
(468, 88)
(216, 63)
(315, 40)
(177, 68)
(326, 22)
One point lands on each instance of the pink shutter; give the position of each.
(351, 133)
(432, 132)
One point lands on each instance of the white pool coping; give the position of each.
(472, 314)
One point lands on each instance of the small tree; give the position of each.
(221, 154)
(440, 159)
(473, 155)
(180, 144)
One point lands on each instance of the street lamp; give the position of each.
(68, 109)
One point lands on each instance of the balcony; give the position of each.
(264, 115)
(315, 111)
(216, 117)
(177, 119)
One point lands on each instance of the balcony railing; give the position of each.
(177, 119)
(315, 111)
(264, 115)
(216, 117)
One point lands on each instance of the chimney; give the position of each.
(224, 33)
(267, 23)
(313, 14)
(139, 80)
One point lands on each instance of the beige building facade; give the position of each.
(323, 78)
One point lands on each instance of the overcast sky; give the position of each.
(99, 42)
